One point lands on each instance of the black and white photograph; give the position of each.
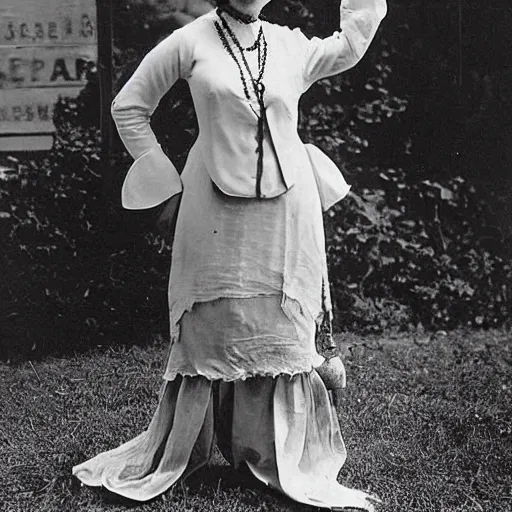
(255, 255)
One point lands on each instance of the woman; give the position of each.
(248, 282)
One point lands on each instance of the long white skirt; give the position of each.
(284, 429)
(245, 288)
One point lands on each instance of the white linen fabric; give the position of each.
(149, 189)
(225, 153)
(232, 247)
(285, 430)
(331, 184)
(247, 277)
(227, 123)
(233, 339)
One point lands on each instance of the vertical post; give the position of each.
(104, 16)
(461, 57)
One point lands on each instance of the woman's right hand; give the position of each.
(166, 221)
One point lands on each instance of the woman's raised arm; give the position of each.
(359, 21)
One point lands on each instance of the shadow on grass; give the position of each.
(208, 480)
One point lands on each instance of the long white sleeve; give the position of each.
(359, 21)
(152, 178)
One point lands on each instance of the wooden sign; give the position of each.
(46, 49)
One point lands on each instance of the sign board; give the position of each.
(46, 49)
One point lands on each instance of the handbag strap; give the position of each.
(324, 339)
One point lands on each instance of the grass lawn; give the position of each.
(428, 427)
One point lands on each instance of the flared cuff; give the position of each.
(331, 184)
(151, 180)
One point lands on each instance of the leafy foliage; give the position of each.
(420, 240)
(407, 254)
(77, 270)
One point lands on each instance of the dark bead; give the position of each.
(259, 87)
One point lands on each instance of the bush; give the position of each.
(403, 254)
(78, 270)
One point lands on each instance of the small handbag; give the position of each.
(332, 188)
(332, 370)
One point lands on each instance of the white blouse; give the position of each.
(231, 244)
(227, 123)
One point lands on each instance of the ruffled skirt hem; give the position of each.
(284, 429)
(240, 376)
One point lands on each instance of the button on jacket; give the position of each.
(227, 120)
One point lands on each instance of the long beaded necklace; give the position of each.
(260, 44)
(244, 19)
